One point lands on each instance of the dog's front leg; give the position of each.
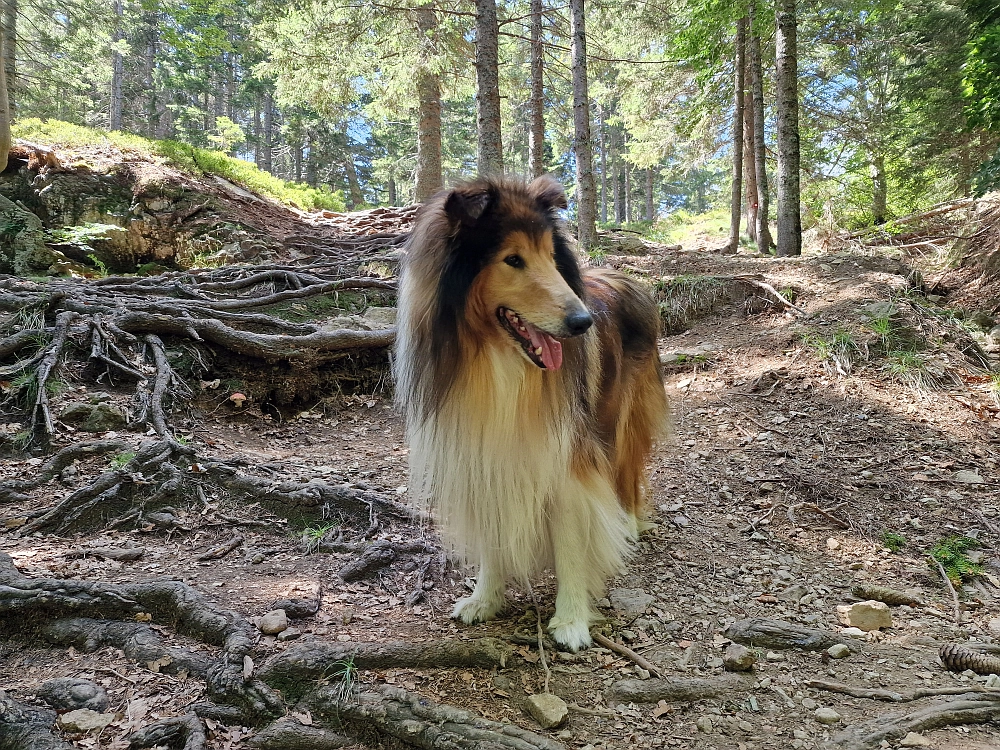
(489, 596)
(570, 627)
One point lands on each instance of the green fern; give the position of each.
(952, 554)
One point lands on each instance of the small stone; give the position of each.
(643, 674)
(832, 544)
(758, 537)
(793, 593)
(71, 692)
(914, 740)
(273, 622)
(838, 651)
(631, 601)
(966, 476)
(826, 716)
(774, 656)
(704, 724)
(289, 634)
(800, 734)
(809, 704)
(853, 632)
(868, 615)
(745, 726)
(93, 417)
(548, 710)
(83, 720)
(738, 658)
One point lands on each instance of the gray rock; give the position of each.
(738, 658)
(704, 724)
(994, 626)
(273, 622)
(83, 720)
(380, 317)
(809, 704)
(93, 417)
(826, 716)
(967, 476)
(630, 601)
(66, 693)
(290, 634)
(913, 739)
(868, 615)
(297, 608)
(548, 710)
(793, 593)
(838, 651)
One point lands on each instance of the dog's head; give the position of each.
(511, 270)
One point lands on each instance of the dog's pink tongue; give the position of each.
(551, 348)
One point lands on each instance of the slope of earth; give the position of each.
(816, 448)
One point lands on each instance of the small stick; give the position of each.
(223, 549)
(541, 639)
(772, 291)
(827, 514)
(628, 653)
(954, 594)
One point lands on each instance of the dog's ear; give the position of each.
(466, 203)
(548, 192)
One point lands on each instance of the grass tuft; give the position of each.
(952, 552)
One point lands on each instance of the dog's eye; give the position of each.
(514, 261)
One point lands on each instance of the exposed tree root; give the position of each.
(677, 688)
(181, 732)
(971, 708)
(896, 697)
(419, 722)
(27, 727)
(760, 631)
(296, 669)
(290, 734)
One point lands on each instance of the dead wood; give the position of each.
(122, 554)
(295, 670)
(951, 589)
(896, 697)
(628, 653)
(13, 490)
(178, 732)
(969, 708)
(221, 550)
(24, 727)
(889, 596)
(765, 633)
(677, 688)
(418, 722)
(379, 554)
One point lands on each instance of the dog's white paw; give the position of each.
(475, 609)
(571, 634)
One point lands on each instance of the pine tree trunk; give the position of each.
(616, 177)
(763, 230)
(749, 165)
(393, 198)
(5, 138)
(604, 165)
(629, 213)
(266, 161)
(429, 178)
(297, 160)
(585, 190)
(117, 71)
(880, 189)
(649, 195)
(786, 83)
(490, 159)
(256, 132)
(536, 132)
(736, 203)
(353, 186)
(10, 54)
(312, 165)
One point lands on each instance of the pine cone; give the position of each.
(958, 658)
(887, 595)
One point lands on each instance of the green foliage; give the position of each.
(952, 554)
(312, 536)
(227, 134)
(893, 541)
(183, 156)
(345, 675)
(837, 352)
(122, 460)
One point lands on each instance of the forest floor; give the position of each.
(802, 444)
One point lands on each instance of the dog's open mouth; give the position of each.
(541, 348)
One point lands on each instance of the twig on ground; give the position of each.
(628, 653)
(540, 635)
(951, 590)
(221, 550)
(772, 291)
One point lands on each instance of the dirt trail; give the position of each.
(773, 499)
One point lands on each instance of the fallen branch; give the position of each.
(221, 550)
(753, 280)
(628, 654)
(778, 634)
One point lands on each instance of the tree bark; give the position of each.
(353, 186)
(629, 202)
(762, 229)
(585, 190)
(297, 160)
(5, 137)
(490, 160)
(616, 177)
(536, 132)
(266, 162)
(393, 199)
(649, 195)
(786, 85)
(10, 53)
(736, 203)
(312, 165)
(880, 189)
(148, 70)
(429, 178)
(117, 71)
(749, 165)
(604, 164)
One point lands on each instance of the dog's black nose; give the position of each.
(579, 321)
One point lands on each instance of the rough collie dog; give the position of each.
(532, 394)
